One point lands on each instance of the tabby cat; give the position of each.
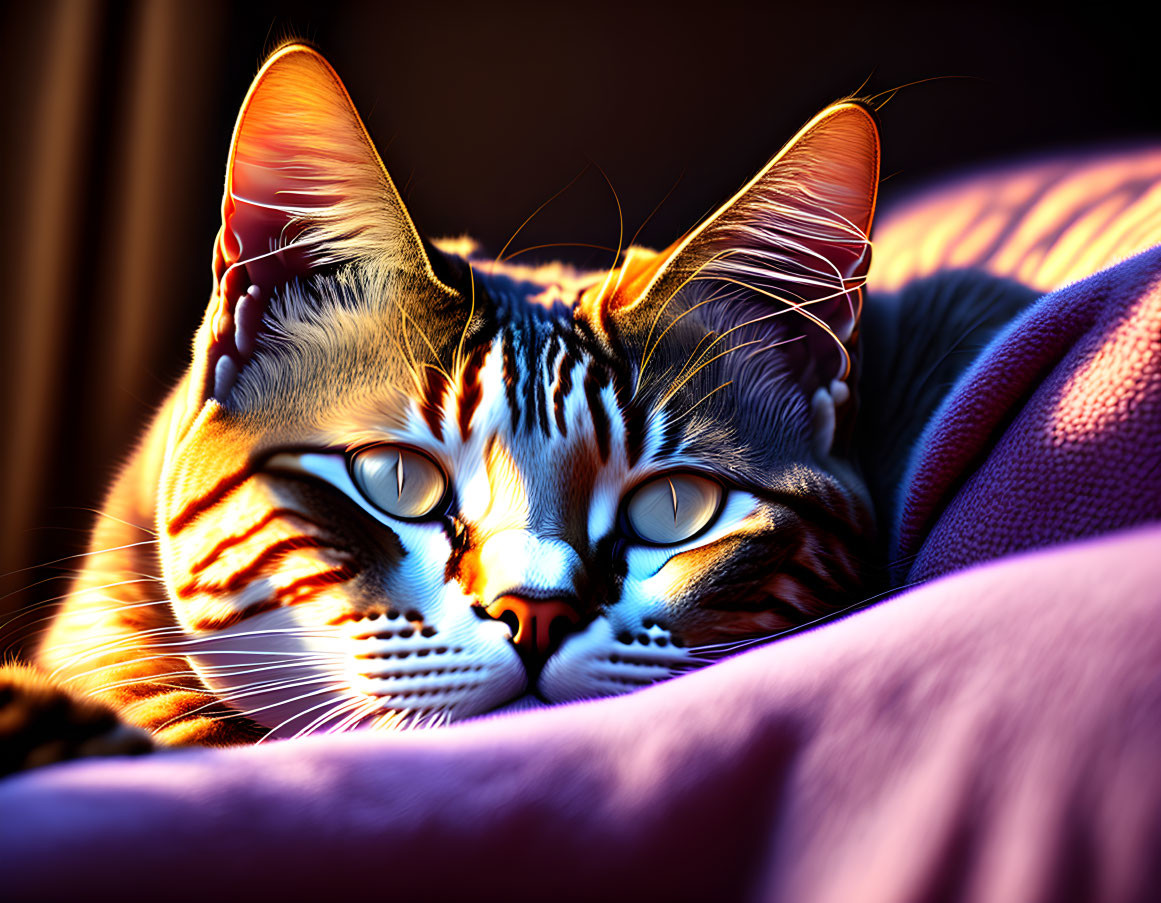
(403, 485)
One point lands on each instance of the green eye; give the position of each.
(673, 508)
(402, 482)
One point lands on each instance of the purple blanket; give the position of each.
(993, 735)
(1054, 434)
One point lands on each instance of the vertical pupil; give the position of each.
(404, 483)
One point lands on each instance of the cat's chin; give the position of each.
(525, 703)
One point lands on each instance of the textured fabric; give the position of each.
(1053, 434)
(993, 736)
(989, 736)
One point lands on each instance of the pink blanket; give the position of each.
(993, 735)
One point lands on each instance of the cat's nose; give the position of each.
(538, 625)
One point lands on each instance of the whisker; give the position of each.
(650, 349)
(147, 658)
(130, 637)
(653, 212)
(26, 628)
(256, 689)
(90, 510)
(661, 310)
(458, 360)
(500, 257)
(355, 706)
(560, 244)
(70, 592)
(85, 554)
(220, 671)
(296, 715)
(620, 238)
(829, 616)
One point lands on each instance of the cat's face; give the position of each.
(402, 489)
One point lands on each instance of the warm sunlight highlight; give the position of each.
(1045, 224)
(1105, 390)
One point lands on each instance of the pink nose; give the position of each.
(537, 624)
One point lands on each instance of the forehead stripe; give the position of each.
(553, 348)
(671, 436)
(596, 379)
(435, 383)
(633, 415)
(510, 377)
(471, 391)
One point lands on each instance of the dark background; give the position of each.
(117, 118)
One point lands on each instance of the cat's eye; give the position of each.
(400, 481)
(673, 508)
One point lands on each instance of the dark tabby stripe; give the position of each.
(541, 403)
(435, 385)
(271, 555)
(510, 380)
(819, 585)
(195, 507)
(633, 416)
(531, 382)
(596, 379)
(230, 541)
(294, 593)
(820, 510)
(670, 437)
(472, 391)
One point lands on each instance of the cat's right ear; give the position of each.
(305, 187)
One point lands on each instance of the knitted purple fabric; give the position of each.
(1054, 434)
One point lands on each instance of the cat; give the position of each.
(403, 485)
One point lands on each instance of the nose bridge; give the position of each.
(522, 562)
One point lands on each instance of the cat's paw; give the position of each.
(41, 724)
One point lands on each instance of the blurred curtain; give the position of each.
(102, 168)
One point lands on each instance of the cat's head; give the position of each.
(403, 486)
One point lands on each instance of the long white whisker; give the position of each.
(355, 706)
(297, 715)
(85, 554)
(216, 671)
(268, 687)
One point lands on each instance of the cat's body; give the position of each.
(403, 485)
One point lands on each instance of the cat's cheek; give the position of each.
(281, 668)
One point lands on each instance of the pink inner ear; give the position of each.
(262, 216)
(256, 253)
(254, 256)
(786, 256)
(300, 160)
(799, 232)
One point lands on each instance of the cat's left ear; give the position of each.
(305, 188)
(785, 258)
